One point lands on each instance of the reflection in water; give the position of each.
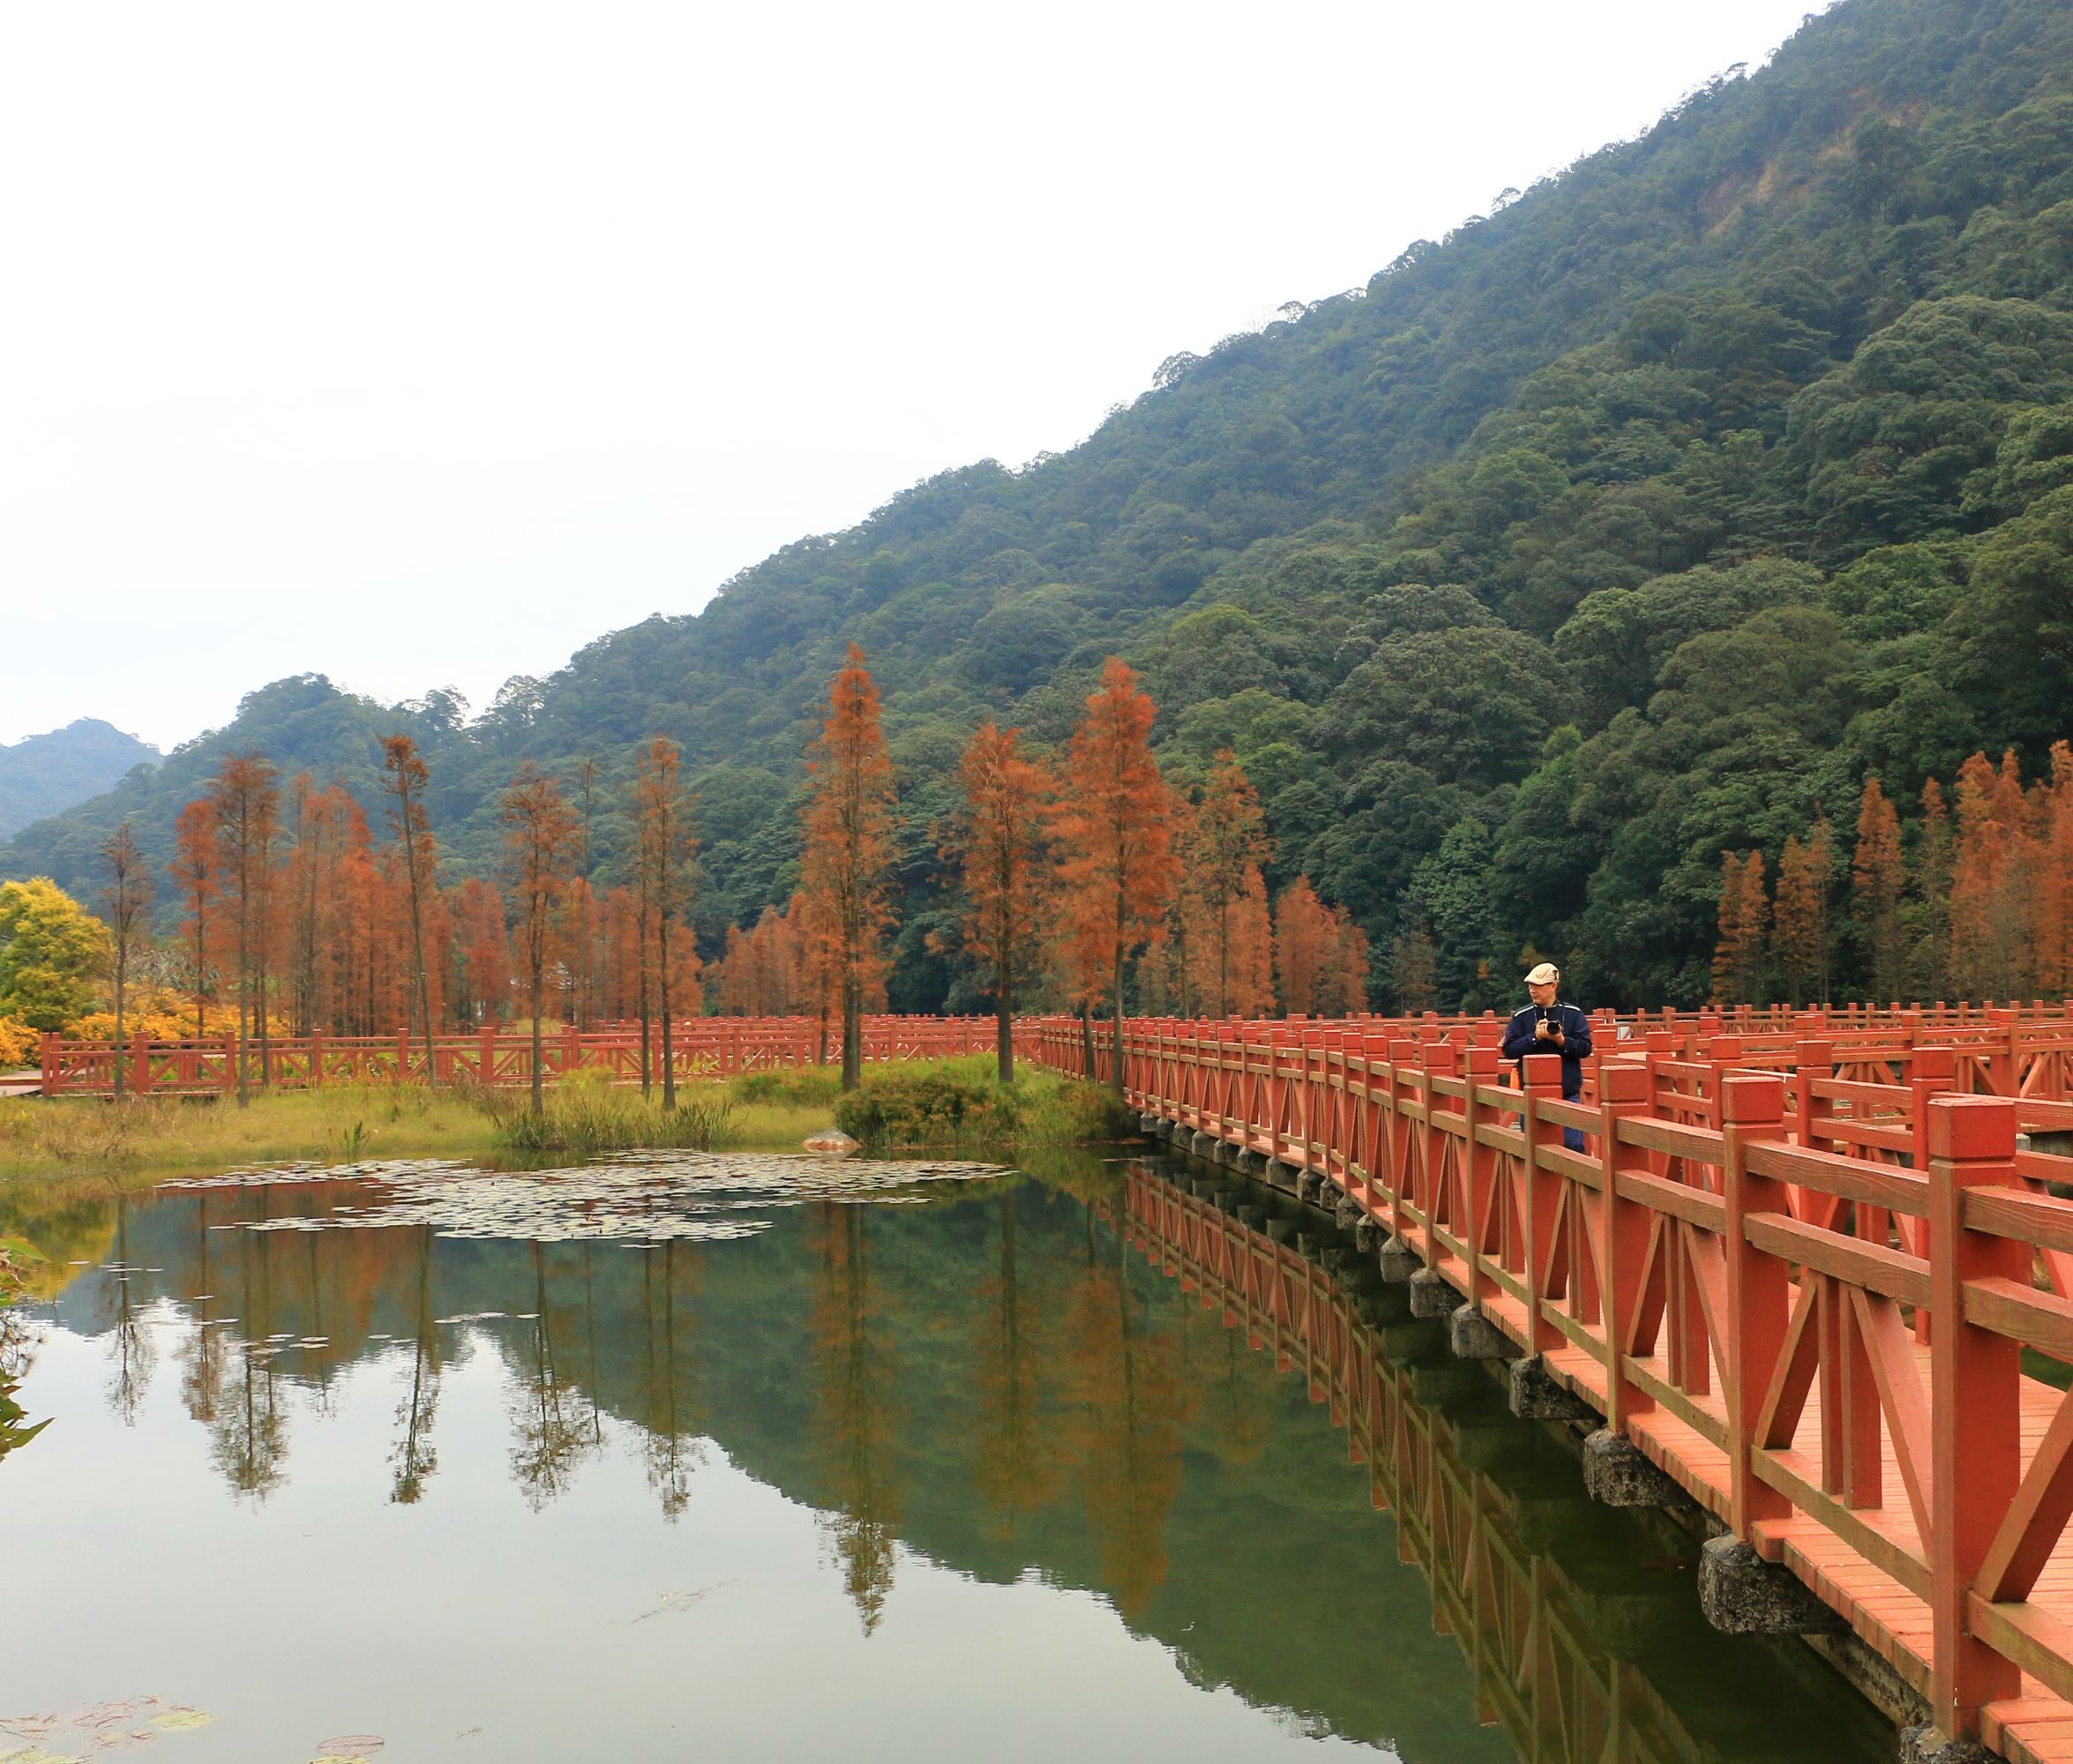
(855, 1415)
(414, 1457)
(554, 1422)
(672, 1422)
(1101, 1382)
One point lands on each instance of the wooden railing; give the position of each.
(702, 1047)
(1805, 1296)
(1491, 1548)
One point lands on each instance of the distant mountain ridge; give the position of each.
(1638, 520)
(46, 775)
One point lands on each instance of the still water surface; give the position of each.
(751, 1460)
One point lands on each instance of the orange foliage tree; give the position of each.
(1306, 942)
(666, 846)
(1878, 879)
(195, 871)
(245, 798)
(1226, 845)
(408, 777)
(540, 836)
(1114, 833)
(1797, 931)
(849, 845)
(997, 840)
(1739, 956)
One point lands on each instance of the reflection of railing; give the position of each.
(1744, 1301)
(1564, 1692)
(701, 1047)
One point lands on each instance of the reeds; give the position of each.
(581, 1119)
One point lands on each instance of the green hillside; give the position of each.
(46, 775)
(1626, 524)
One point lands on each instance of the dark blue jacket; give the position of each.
(1519, 1041)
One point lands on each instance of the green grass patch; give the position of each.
(961, 1103)
(78, 1146)
(580, 1117)
(109, 1146)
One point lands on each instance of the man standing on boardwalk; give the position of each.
(1548, 1027)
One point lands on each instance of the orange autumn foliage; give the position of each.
(848, 847)
(1114, 828)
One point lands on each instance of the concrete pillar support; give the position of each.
(1616, 1474)
(1743, 1595)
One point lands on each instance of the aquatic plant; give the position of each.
(584, 1118)
(962, 1102)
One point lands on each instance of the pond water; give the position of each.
(745, 1459)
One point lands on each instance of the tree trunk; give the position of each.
(668, 1036)
(852, 1032)
(1003, 1034)
(1116, 1047)
(539, 1099)
(120, 954)
(1086, 1039)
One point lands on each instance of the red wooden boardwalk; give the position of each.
(1804, 1292)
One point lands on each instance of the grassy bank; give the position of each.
(961, 1104)
(96, 1146)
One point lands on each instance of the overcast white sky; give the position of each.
(418, 344)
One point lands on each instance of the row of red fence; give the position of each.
(2026, 1049)
(1800, 1277)
(700, 1048)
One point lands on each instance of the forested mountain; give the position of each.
(45, 774)
(1633, 522)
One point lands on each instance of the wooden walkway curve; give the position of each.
(1805, 1293)
(1559, 1669)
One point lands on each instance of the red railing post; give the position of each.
(50, 1082)
(1759, 1293)
(1624, 1227)
(486, 1055)
(1478, 1163)
(1975, 1406)
(1543, 1194)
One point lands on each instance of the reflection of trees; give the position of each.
(249, 1435)
(1131, 1405)
(1017, 1468)
(414, 1458)
(672, 1420)
(17, 1352)
(854, 1417)
(130, 1344)
(554, 1423)
(1235, 1397)
(200, 1352)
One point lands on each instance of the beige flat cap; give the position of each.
(1546, 974)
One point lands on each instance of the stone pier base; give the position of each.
(1200, 1145)
(1928, 1745)
(1743, 1595)
(1473, 1336)
(1431, 1296)
(1617, 1474)
(1534, 1396)
(1251, 1164)
(1397, 1261)
(1283, 1175)
(1347, 1215)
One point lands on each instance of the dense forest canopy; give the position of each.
(1636, 521)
